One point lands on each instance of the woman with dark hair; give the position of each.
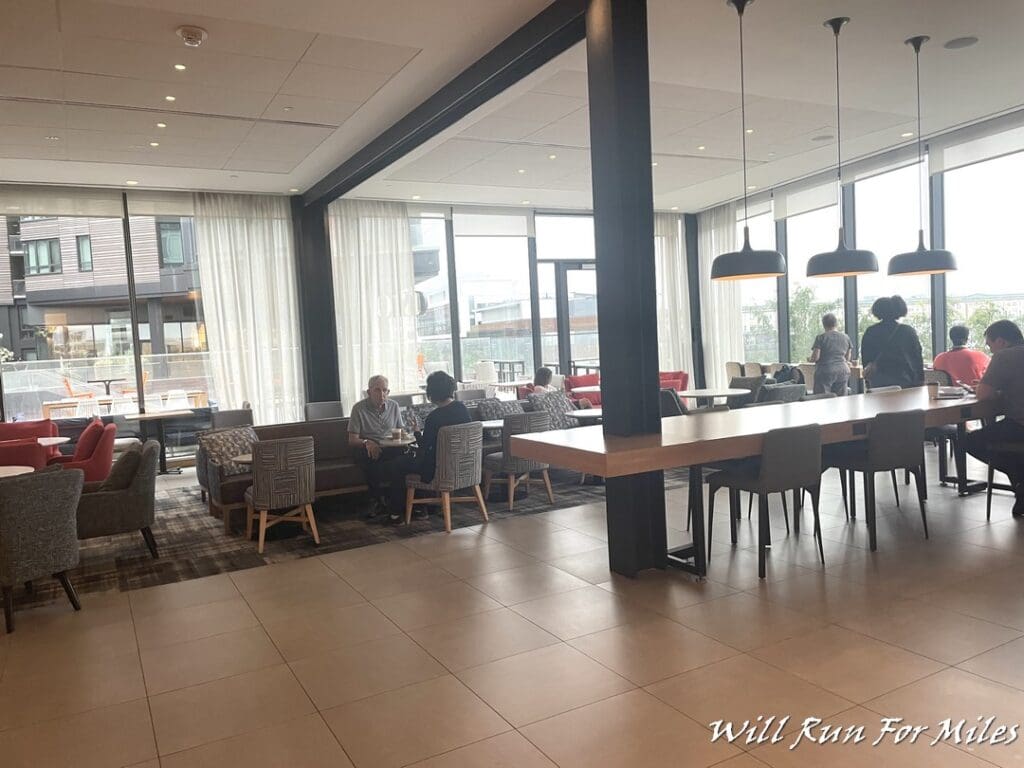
(449, 411)
(831, 356)
(890, 350)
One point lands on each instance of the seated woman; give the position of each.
(449, 411)
(542, 380)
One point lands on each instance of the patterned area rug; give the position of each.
(192, 544)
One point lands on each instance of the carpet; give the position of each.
(192, 544)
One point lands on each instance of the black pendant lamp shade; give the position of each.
(923, 261)
(746, 263)
(843, 261)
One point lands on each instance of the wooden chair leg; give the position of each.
(250, 513)
(69, 590)
(480, 502)
(547, 485)
(9, 608)
(263, 530)
(311, 519)
(712, 492)
(147, 534)
(511, 490)
(410, 498)
(226, 515)
(446, 507)
(487, 483)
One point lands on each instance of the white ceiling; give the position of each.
(501, 153)
(278, 95)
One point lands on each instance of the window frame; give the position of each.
(32, 265)
(161, 224)
(79, 239)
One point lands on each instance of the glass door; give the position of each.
(576, 315)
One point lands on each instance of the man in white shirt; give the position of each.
(371, 421)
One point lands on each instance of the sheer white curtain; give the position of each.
(374, 295)
(720, 313)
(247, 272)
(674, 342)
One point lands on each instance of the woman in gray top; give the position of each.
(831, 355)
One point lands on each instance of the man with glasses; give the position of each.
(371, 421)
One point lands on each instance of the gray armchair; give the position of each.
(37, 531)
(459, 465)
(125, 501)
(515, 469)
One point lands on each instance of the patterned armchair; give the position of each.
(283, 478)
(38, 536)
(216, 450)
(459, 465)
(517, 470)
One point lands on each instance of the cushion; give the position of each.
(415, 416)
(88, 440)
(124, 470)
(224, 444)
(492, 408)
(557, 404)
(588, 380)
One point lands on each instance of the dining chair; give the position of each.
(283, 486)
(459, 465)
(1004, 450)
(177, 400)
(515, 470)
(790, 458)
(733, 370)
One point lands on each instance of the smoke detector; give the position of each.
(193, 37)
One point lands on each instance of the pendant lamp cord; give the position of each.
(839, 133)
(743, 116)
(920, 155)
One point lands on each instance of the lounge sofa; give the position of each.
(19, 443)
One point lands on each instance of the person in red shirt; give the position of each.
(962, 364)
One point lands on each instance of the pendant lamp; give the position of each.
(923, 261)
(843, 261)
(746, 263)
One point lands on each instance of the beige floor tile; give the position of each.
(434, 606)
(738, 568)
(1004, 664)
(629, 730)
(745, 621)
(665, 590)
(590, 566)
(154, 763)
(930, 631)
(559, 543)
(401, 578)
(484, 559)
(741, 761)
(110, 736)
(31, 653)
(742, 688)
(254, 581)
(481, 638)
(182, 594)
(178, 625)
(538, 684)
(649, 651)
(520, 584)
(516, 530)
(372, 559)
(435, 545)
(210, 658)
(50, 693)
(324, 629)
(305, 742)
(997, 598)
(580, 612)
(824, 596)
(848, 663)
(294, 601)
(359, 671)
(958, 695)
(58, 621)
(1005, 535)
(574, 517)
(906, 754)
(413, 723)
(220, 709)
(508, 750)
(4, 652)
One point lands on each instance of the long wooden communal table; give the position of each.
(695, 440)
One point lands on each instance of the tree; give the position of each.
(805, 313)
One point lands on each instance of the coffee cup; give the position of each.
(933, 390)
(396, 434)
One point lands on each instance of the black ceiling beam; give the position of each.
(551, 32)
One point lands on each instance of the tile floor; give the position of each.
(511, 644)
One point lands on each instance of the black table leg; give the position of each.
(679, 557)
(964, 486)
(162, 438)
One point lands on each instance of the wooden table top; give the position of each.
(715, 392)
(718, 435)
(156, 415)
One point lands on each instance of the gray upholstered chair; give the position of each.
(327, 409)
(283, 486)
(459, 465)
(239, 417)
(203, 459)
(935, 376)
(753, 369)
(781, 393)
(819, 396)
(126, 501)
(790, 458)
(37, 531)
(733, 370)
(515, 470)
(753, 383)
(670, 403)
(470, 394)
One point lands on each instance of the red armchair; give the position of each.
(23, 453)
(590, 380)
(677, 380)
(94, 452)
(21, 431)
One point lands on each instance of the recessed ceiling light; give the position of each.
(180, 67)
(169, 98)
(521, 170)
(701, 148)
(906, 134)
(552, 157)
(161, 125)
(752, 186)
(771, 154)
(287, 109)
(53, 138)
(131, 182)
(675, 207)
(233, 176)
(415, 197)
(154, 143)
(654, 164)
(294, 189)
(960, 42)
(525, 202)
(750, 130)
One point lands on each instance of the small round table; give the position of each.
(708, 394)
(586, 415)
(48, 441)
(390, 442)
(15, 469)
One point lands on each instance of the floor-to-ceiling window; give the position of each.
(810, 297)
(760, 298)
(887, 223)
(982, 203)
(430, 271)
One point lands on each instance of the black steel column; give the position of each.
(620, 148)
(937, 224)
(562, 320)
(690, 233)
(453, 297)
(531, 252)
(848, 216)
(782, 293)
(316, 301)
(133, 304)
